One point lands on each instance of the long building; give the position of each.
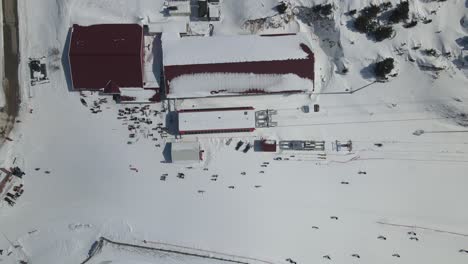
(237, 65)
(216, 120)
(118, 59)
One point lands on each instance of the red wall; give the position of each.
(215, 131)
(303, 68)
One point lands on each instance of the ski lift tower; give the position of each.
(264, 118)
(339, 146)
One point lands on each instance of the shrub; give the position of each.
(411, 24)
(55, 67)
(383, 32)
(323, 10)
(371, 11)
(54, 52)
(427, 20)
(385, 6)
(401, 12)
(364, 24)
(430, 52)
(282, 7)
(352, 12)
(382, 68)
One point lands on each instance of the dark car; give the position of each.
(247, 148)
(239, 145)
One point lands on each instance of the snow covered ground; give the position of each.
(395, 198)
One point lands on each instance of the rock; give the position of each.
(464, 22)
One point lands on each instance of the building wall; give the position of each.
(303, 68)
(215, 109)
(142, 57)
(217, 131)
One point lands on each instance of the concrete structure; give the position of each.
(216, 120)
(209, 10)
(264, 118)
(186, 152)
(178, 7)
(100, 54)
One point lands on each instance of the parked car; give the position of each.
(239, 145)
(247, 148)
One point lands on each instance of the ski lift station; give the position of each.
(123, 61)
(196, 67)
(111, 58)
(216, 120)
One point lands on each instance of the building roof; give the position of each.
(214, 10)
(264, 145)
(182, 152)
(108, 52)
(180, 7)
(177, 26)
(276, 63)
(234, 49)
(151, 68)
(138, 95)
(111, 88)
(216, 119)
(217, 84)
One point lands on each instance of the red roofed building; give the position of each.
(107, 55)
(235, 65)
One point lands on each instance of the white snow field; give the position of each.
(394, 198)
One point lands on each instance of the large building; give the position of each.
(108, 54)
(216, 120)
(121, 60)
(236, 65)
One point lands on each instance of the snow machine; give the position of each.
(38, 71)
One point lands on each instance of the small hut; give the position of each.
(186, 152)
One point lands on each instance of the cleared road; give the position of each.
(11, 57)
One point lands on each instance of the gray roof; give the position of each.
(185, 152)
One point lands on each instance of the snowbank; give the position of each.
(432, 63)
(140, 95)
(213, 84)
